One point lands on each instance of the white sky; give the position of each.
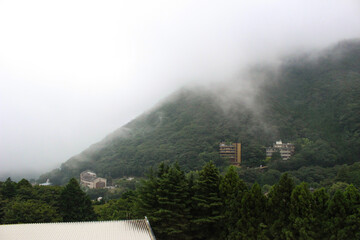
(73, 71)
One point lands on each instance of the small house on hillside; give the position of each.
(107, 230)
(90, 180)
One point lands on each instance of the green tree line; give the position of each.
(198, 205)
(23, 203)
(207, 205)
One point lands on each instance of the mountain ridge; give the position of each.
(314, 98)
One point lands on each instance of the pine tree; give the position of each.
(301, 213)
(147, 202)
(251, 224)
(75, 205)
(337, 213)
(352, 221)
(207, 204)
(232, 189)
(320, 201)
(344, 214)
(279, 208)
(172, 216)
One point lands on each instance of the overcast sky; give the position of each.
(72, 72)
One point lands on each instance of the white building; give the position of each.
(286, 149)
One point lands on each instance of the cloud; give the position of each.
(73, 71)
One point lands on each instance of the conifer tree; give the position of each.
(172, 215)
(75, 205)
(279, 207)
(337, 213)
(344, 214)
(320, 201)
(147, 202)
(232, 189)
(207, 204)
(301, 213)
(251, 224)
(352, 221)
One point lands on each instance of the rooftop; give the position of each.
(108, 230)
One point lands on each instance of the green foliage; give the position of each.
(122, 208)
(279, 207)
(313, 103)
(301, 213)
(320, 205)
(164, 199)
(75, 205)
(203, 205)
(252, 219)
(206, 212)
(232, 189)
(30, 211)
(173, 214)
(8, 189)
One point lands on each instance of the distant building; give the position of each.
(139, 229)
(90, 180)
(286, 150)
(47, 183)
(232, 152)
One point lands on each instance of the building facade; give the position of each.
(286, 150)
(90, 180)
(232, 152)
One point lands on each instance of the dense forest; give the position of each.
(312, 100)
(200, 204)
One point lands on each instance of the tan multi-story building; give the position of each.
(232, 152)
(286, 149)
(90, 180)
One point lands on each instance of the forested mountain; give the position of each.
(312, 100)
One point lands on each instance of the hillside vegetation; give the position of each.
(314, 101)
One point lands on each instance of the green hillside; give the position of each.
(319, 98)
(313, 101)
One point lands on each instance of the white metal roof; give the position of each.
(106, 230)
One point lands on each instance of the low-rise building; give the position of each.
(286, 149)
(231, 151)
(90, 180)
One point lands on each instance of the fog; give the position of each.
(73, 71)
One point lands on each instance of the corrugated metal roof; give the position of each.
(106, 230)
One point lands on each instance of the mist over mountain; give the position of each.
(312, 96)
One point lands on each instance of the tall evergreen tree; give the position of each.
(172, 216)
(75, 205)
(207, 204)
(251, 224)
(352, 222)
(147, 202)
(301, 213)
(279, 208)
(232, 189)
(337, 213)
(320, 201)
